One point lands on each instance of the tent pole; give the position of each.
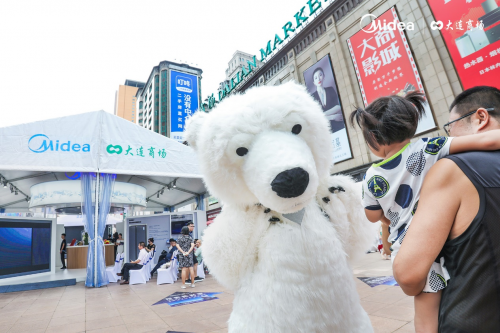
(96, 220)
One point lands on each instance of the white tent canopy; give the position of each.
(54, 149)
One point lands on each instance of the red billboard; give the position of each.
(471, 31)
(384, 62)
(212, 214)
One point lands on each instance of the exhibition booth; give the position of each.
(89, 174)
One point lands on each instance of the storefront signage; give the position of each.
(151, 152)
(212, 201)
(245, 71)
(40, 143)
(183, 102)
(471, 31)
(299, 18)
(384, 63)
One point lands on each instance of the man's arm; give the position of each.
(439, 203)
(483, 141)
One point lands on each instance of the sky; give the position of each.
(60, 58)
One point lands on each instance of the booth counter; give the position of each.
(77, 256)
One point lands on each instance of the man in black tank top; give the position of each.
(459, 216)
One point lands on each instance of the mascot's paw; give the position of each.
(340, 199)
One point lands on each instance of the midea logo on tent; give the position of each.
(40, 143)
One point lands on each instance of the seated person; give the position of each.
(134, 265)
(165, 258)
(151, 247)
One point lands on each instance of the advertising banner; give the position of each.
(321, 84)
(384, 63)
(471, 31)
(212, 214)
(183, 102)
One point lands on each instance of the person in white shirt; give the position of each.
(134, 265)
(119, 244)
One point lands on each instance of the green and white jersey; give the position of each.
(394, 184)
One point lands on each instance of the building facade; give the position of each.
(325, 33)
(125, 100)
(235, 65)
(171, 93)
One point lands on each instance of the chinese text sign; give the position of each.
(384, 63)
(183, 102)
(471, 31)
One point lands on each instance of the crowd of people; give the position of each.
(449, 257)
(187, 249)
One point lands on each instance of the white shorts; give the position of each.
(437, 278)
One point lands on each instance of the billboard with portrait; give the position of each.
(471, 31)
(183, 102)
(384, 63)
(321, 84)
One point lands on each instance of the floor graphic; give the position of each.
(184, 298)
(379, 280)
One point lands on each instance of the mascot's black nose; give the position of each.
(290, 183)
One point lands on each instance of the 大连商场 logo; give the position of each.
(378, 186)
(40, 143)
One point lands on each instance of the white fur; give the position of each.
(287, 277)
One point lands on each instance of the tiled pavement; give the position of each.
(118, 308)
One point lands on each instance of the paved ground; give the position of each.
(129, 308)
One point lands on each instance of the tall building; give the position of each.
(238, 60)
(125, 100)
(170, 95)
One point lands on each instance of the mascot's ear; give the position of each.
(193, 128)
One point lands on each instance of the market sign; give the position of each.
(300, 17)
(212, 200)
(471, 31)
(384, 63)
(245, 71)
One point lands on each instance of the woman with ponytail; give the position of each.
(391, 188)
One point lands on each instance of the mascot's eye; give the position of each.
(241, 151)
(296, 129)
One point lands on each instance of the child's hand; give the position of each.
(385, 220)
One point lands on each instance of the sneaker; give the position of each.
(63, 267)
(183, 286)
(188, 281)
(198, 279)
(193, 285)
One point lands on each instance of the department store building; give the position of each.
(334, 36)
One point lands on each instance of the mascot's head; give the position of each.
(271, 146)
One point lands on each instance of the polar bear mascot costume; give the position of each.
(287, 230)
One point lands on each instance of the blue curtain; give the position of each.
(200, 202)
(107, 182)
(172, 209)
(88, 188)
